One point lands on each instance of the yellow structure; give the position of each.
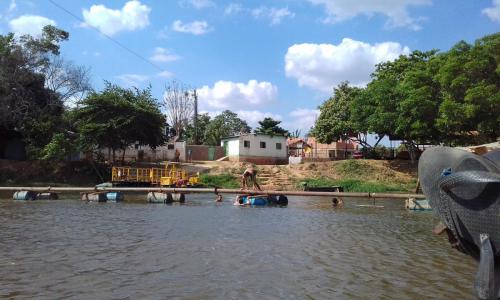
(171, 175)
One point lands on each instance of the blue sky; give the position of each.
(257, 58)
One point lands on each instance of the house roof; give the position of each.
(247, 134)
(293, 141)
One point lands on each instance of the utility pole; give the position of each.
(195, 119)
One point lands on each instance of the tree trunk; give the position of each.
(123, 154)
(114, 154)
(412, 152)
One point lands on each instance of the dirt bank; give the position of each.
(398, 173)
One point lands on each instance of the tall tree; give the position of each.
(178, 102)
(470, 83)
(26, 105)
(271, 127)
(334, 121)
(116, 118)
(223, 125)
(202, 124)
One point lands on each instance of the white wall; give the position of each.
(270, 149)
(233, 147)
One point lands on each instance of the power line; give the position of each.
(108, 36)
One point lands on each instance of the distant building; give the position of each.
(256, 148)
(332, 151)
(297, 147)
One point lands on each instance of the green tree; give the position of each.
(203, 121)
(117, 118)
(270, 126)
(226, 124)
(470, 83)
(27, 106)
(334, 121)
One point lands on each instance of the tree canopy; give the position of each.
(451, 97)
(270, 126)
(29, 105)
(223, 125)
(117, 118)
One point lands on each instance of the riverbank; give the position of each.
(354, 175)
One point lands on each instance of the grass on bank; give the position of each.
(355, 185)
(226, 181)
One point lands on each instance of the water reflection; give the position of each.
(201, 249)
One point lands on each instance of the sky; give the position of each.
(278, 59)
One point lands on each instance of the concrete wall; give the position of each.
(162, 153)
(200, 152)
(233, 147)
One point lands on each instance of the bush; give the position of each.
(227, 181)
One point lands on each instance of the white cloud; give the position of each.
(493, 12)
(132, 16)
(133, 79)
(196, 27)
(324, 66)
(29, 24)
(233, 95)
(162, 55)
(165, 74)
(395, 10)
(252, 117)
(276, 15)
(199, 4)
(233, 8)
(12, 6)
(302, 119)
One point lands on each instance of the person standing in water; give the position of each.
(249, 177)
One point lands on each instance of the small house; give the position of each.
(256, 148)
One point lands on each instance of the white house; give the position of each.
(256, 148)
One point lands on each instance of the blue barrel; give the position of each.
(114, 196)
(24, 196)
(257, 200)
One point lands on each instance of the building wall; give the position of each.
(259, 160)
(144, 153)
(233, 147)
(200, 152)
(255, 149)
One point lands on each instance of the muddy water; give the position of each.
(70, 249)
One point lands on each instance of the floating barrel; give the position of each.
(179, 197)
(24, 195)
(114, 196)
(273, 200)
(47, 196)
(282, 200)
(159, 197)
(94, 197)
(414, 204)
(257, 200)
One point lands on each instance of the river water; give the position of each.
(69, 249)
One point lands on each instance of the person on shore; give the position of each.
(177, 155)
(249, 177)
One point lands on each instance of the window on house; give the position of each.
(170, 146)
(263, 144)
(246, 144)
(278, 146)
